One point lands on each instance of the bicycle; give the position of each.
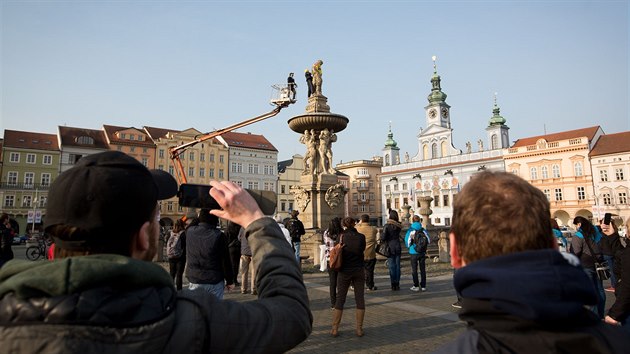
(34, 253)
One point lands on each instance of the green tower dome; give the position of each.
(496, 118)
(436, 95)
(390, 142)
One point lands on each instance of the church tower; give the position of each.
(437, 112)
(391, 152)
(497, 131)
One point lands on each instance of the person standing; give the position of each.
(391, 235)
(351, 273)
(417, 243)
(610, 244)
(331, 237)
(234, 248)
(284, 230)
(176, 252)
(248, 268)
(586, 246)
(309, 82)
(296, 229)
(619, 312)
(6, 239)
(369, 256)
(209, 266)
(558, 234)
(291, 85)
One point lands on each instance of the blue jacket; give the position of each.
(416, 226)
(560, 237)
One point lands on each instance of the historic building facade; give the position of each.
(559, 165)
(76, 143)
(438, 170)
(364, 194)
(133, 142)
(289, 173)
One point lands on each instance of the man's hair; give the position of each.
(499, 213)
(205, 216)
(4, 217)
(365, 218)
(295, 213)
(588, 230)
(348, 222)
(416, 218)
(393, 215)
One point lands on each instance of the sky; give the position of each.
(555, 66)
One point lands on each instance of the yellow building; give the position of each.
(364, 194)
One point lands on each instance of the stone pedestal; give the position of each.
(425, 210)
(322, 207)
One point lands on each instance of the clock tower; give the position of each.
(437, 112)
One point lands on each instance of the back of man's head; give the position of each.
(499, 213)
(206, 217)
(365, 218)
(294, 214)
(100, 203)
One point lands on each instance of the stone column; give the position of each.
(425, 210)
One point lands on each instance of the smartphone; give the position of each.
(607, 218)
(198, 196)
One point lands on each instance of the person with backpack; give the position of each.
(296, 229)
(417, 242)
(586, 245)
(176, 252)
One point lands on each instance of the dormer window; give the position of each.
(84, 140)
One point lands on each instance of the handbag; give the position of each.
(601, 267)
(383, 249)
(335, 255)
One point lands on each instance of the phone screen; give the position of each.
(196, 196)
(607, 218)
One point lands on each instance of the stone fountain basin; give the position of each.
(318, 121)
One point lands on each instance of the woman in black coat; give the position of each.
(391, 235)
(619, 312)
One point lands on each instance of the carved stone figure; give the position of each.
(301, 195)
(406, 156)
(317, 77)
(480, 143)
(308, 139)
(326, 138)
(468, 147)
(334, 195)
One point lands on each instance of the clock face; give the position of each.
(444, 112)
(432, 113)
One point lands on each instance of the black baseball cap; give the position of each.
(107, 194)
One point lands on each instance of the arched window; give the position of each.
(425, 151)
(444, 151)
(494, 142)
(545, 172)
(386, 159)
(434, 151)
(577, 167)
(555, 171)
(533, 173)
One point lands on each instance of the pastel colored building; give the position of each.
(364, 192)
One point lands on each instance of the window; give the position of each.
(558, 192)
(85, 140)
(434, 151)
(221, 172)
(372, 209)
(372, 196)
(515, 172)
(45, 181)
(533, 173)
(202, 156)
(202, 172)
(283, 206)
(436, 200)
(404, 186)
(250, 168)
(283, 189)
(387, 188)
(577, 168)
(355, 209)
(371, 184)
(447, 221)
(545, 172)
(12, 178)
(191, 156)
(445, 200)
(555, 171)
(363, 208)
(211, 157)
(363, 171)
(547, 193)
(396, 187)
(211, 173)
(354, 184)
(606, 198)
(221, 158)
(363, 196)
(290, 205)
(169, 206)
(386, 159)
(355, 196)
(145, 161)
(191, 172)
(47, 159)
(29, 179)
(396, 203)
(30, 158)
(161, 153)
(233, 167)
(14, 157)
(622, 197)
(161, 167)
(581, 194)
(603, 175)
(619, 174)
(494, 142)
(171, 170)
(119, 147)
(43, 200)
(133, 149)
(9, 200)
(132, 137)
(240, 183)
(26, 201)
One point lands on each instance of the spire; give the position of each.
(496, 118)
(390, 142)
(436, 95)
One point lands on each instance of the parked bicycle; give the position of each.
(38, 251)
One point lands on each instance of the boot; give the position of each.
(336, 320)
(360, 316)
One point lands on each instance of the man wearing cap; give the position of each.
(101, 295)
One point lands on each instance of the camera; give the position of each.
(198, 196)
(607, 218)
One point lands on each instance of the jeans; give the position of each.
(599, 288)
(393, 263)
(344, 279)
(296, 245)
(215, 289)
(419, 259)
(247, 267)
(369, 272)
(176, 268)
(611, 264)
(332, 277)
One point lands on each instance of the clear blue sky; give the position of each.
(208, 64)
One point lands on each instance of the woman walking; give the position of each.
(351, 273)
(391, 235)
(176, 252)
(586, 246)
(331, 238)
(619, 312)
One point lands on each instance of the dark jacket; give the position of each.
(545, 313)
(115, 304)
(620, 310)
(580, 248)
(6, 241)
(609, 244)
(352, 252)
(296, 229)
(207, 255)
(391, 235)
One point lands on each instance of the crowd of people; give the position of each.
(103, 286)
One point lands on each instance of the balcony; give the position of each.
(363, 201)
(362, 176)
(362, 188)
(24, 186)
